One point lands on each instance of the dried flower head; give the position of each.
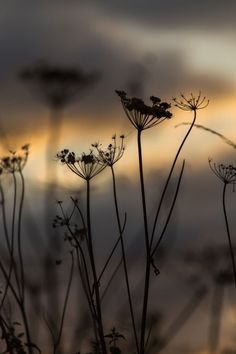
(85, 166)
(192, 103)
(113, 152)
(15, 162)
(141, 115)
(226, 173)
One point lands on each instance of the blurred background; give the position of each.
(160, 48)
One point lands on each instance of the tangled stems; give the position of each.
(81, 259)
(96, 284)
(56, 344)
(11, 165)
(124, 258)
(228, 232)
(87, 166)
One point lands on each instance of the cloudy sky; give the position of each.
(146, 48)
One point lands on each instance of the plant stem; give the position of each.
(152, 252)
(65, 304)
(124, 258)
(169, 177)
(12, 264)
(228, 235)
(96, 285)
(19, 236)
(83, 268)
(148, 258)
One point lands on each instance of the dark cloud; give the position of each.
(67, 34)
(172, 14)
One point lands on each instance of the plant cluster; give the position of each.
(80, 235)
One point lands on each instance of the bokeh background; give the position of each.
(160, 48)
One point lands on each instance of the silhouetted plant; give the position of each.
(12, 166)
(113, 337)
(112, 154)
(227, 174)
(144, 117)
(190, 104)
(87, 166)
(57, 86)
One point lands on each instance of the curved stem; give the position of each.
(112, 252)
(111, 279)
(19, 236)
(81, 215)
(169, 177)
(124, 259)
(88, 294)
(170, 212)
(11, 243)
(148, 258)
(65, 303)
(228, 234)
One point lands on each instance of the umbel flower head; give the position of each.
(15, 162)
(192, 103)
(226, 173)
(85, 166)
(112, 153)
(141, 115)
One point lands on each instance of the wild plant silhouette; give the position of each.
(77, 234)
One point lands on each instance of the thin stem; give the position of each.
(88, 294)
(10, 244)
(12, 264)
(148, 258)
(81, 215)
(86, 281)
(124, 258)
(7, 241)
(112, 252)
(25, 319)
(19, 236)
(6, 233)
(21, 307)
(96, 285)
(65, 303)
(169, 177)
(228, 234)
(111, 279)
(170, 212)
